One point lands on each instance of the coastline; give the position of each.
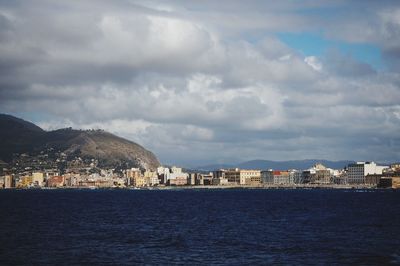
(214, 187)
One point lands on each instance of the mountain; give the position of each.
(278, 165)
(19, 136)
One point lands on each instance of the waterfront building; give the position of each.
(295, 177)
(50, 172)
(251, 177)
(219, 178)
(281, 177)
(115, 181)
(25, 181)
(253, 181)
(207, 179)
(219, 173)
(267, 177)
(55, 181)
(276, 177)
(220, 182)
(233, 176)
(8, 181)
(239, 176)
(191, 179)
(199, 180)
(71, 179)
(308, 175)
(37, 179)
(177, 181)
(395, 167)
(373, 179)
(357, 172)
(322, 175)
(98, 183)
(176, 172)
(139, 181)
(385, 182)
(151, 178)
(163, 174)
(340, 179)
(131, 175)
(396, 182)
(390, 179)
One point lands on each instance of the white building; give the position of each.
(175, 172)
(357, 172)
(164, 173)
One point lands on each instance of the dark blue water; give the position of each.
(66, 227)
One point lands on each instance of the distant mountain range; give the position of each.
(20, 136)
(277, 165)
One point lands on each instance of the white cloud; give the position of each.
(201, 84)
(313, 62)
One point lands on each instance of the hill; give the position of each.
(19, 136)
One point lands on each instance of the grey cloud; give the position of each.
(200, 82)
(346, 65)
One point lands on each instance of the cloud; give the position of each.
(205, 83)
(313, 62)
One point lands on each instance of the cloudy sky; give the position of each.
(203, 82)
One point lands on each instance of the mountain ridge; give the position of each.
(20, 136)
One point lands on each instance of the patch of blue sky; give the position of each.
(315, 44)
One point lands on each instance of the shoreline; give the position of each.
(214, 187)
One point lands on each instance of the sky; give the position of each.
(200, 82)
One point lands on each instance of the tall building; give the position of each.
(131, 175)
(139, 181)
(8, 181)
(163, 174)
(151, 178)
(357, 172)
(296, 177)
(191, 179)
(176, 170)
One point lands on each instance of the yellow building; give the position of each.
(396, 182)
(239, 176)
(151, 178)
(37, 178)
(250, 176)
(140, 181)
(131, 175)
(253, 181)
(25, 181)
